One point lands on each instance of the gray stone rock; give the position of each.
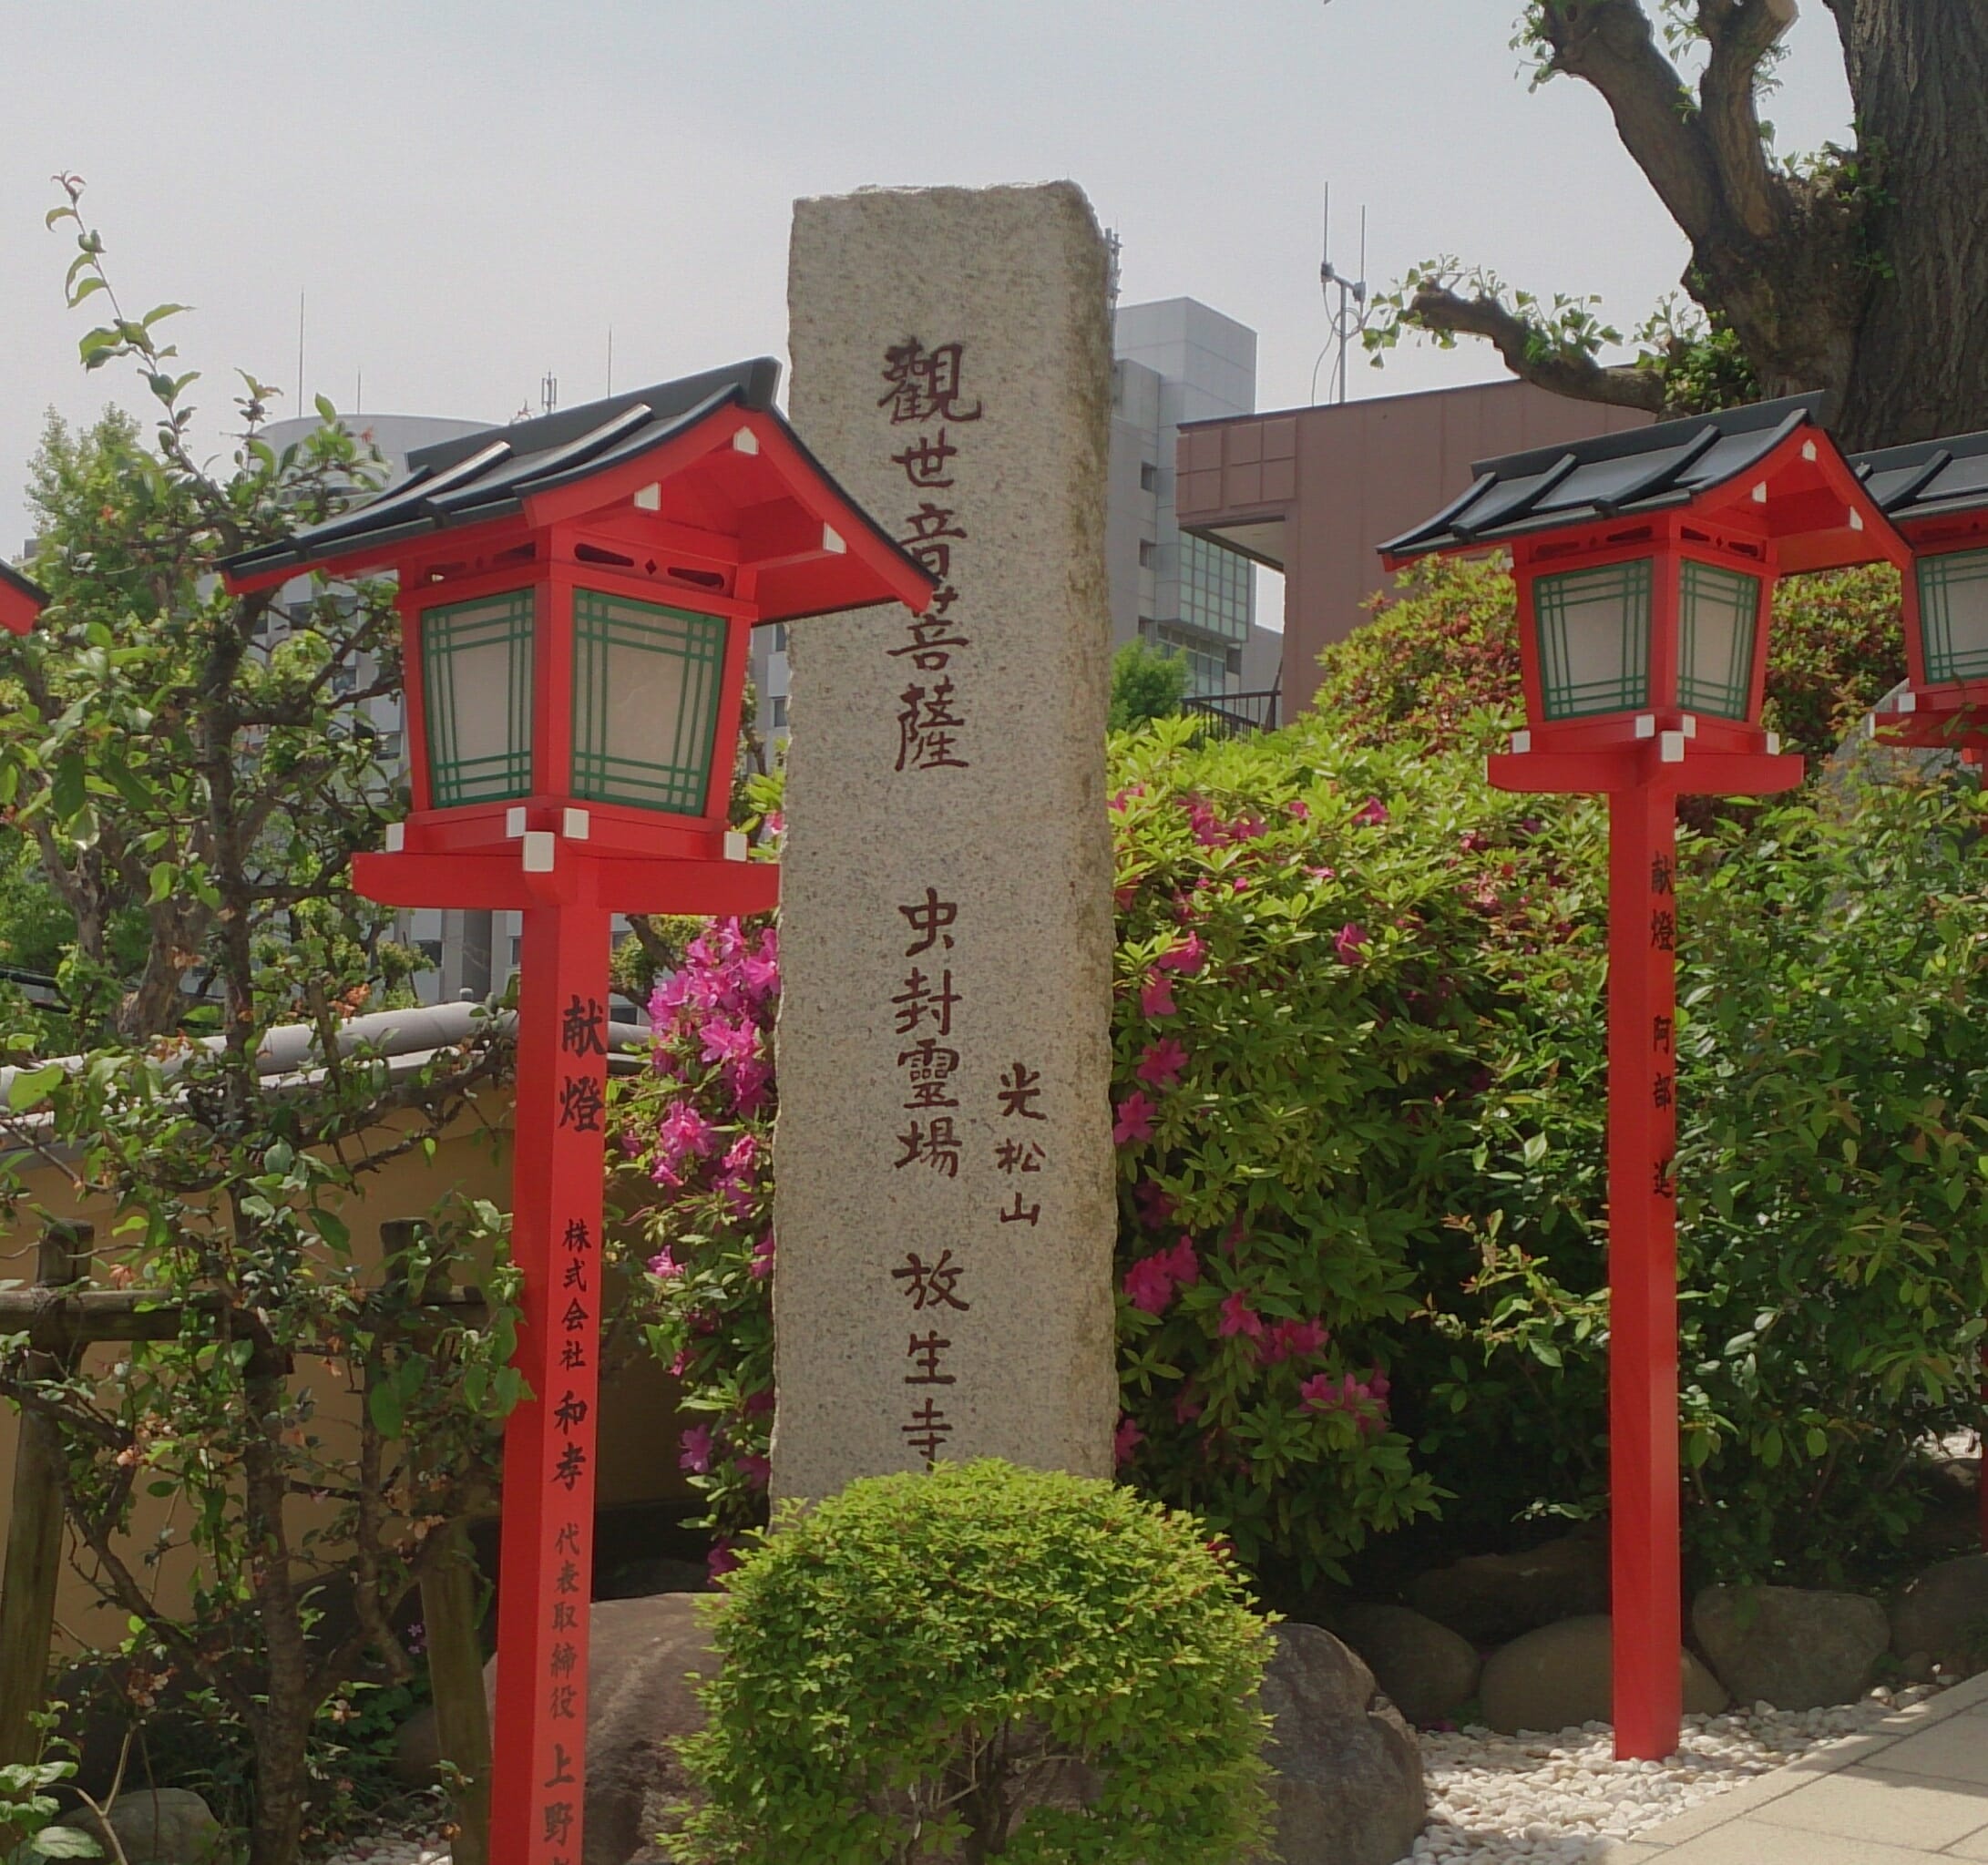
(641, 1693)
(156, 1826)
(1944, 1614)
(1561, 1675)
(652, 1575)
(1491, 1598)
(1349, 1786)
(417, 1749)
(1788, 1646)
(1425, 1669)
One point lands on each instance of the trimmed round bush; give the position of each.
(981, 1662)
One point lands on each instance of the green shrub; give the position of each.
(906, 1662)
(1147, 683)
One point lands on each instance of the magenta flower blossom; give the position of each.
(759, 1404)
(1182, 1264)
(729, 1042)
(758, 1469)
(1239, 1318)
(1157, 997)
(1351, 943)
(742, 1154)
(721, 1560)
(1370, 814)
(1185, 958)
(1149, 1284)
(1133, 1124)
(681, 1364)
(748, 1082)
(1126, 1440)
(696, 1453)
(1162, 1064)
(1155, 1204)
(762, 1265)
(1295, 1341)
(683, 1131)
(1299, 808)
(664, 1266)
(1127, 794)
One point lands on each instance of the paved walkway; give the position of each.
(1913, 1788)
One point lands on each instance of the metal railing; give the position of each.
(1236, 715)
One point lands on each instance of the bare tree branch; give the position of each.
(1740, 33)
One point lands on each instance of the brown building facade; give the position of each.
(1315, 492)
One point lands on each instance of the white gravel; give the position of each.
(1565, 1800)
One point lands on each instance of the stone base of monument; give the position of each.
(1348, 1788)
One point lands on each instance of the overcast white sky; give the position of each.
(470, 194)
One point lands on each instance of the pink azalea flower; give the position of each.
(1350, 943)
(748, 1082)
(1134, 1122)
(1299, 808)
(729, 1042)
(721, 1560)
(1370, 814)
(1157, 997)
(696, 1453)
(1149, 1284)
(758, 1404)
(759, 1470)
(1127, 1439)
(762, 1265)
(1296, 1340)
(1185, 958)
(683, 1131)
(1317, 1393)
(1239, 1318)
(742, 1155)
(1162, 1064)
(1182, 1264)
(1323, 874)
(1127, 794)
(776, 823)
(1155, 1204)
(664, 1266)
(680, 1364)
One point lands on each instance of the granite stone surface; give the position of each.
(945, 1207)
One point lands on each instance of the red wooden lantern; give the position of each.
(20, 601)
(1936, 493)
(1645, 564)
(577, 594)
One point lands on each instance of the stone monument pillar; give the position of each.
(945, 1207)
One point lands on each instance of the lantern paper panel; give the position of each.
(1954, 614)
(476, 670)
(1595, 638)
(1718, 615)
(646, 687)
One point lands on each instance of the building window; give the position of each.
(1215, 588)
(1149, 477)
(518, 951)
(780, 637)
(780, 712)
(1148, 553)
(1207, 662)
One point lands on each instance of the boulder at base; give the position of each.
(1944, 1614)
(1424, 1669)
(1788, 1646)
(158, 1826)
(1350, 1775)
(1349, 1786)
(1562, 1675)
(1491, 1598)
(639, 1694)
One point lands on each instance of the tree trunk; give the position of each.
(281, 1785)
(1919, 74)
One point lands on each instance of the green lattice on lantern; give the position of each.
(1593, 630)
(1954, 614)
(1715, 624)
(475, 672)
(646, 682)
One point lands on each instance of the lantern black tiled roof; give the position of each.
(1612, 476)
(21, 586)
(476, 478)
(1927, 477)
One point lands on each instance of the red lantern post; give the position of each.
(1936, 493)
(578, 594)
(1645, 565)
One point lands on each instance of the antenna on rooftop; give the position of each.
(1113, 246)
(1347, 308)
(548, 392)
